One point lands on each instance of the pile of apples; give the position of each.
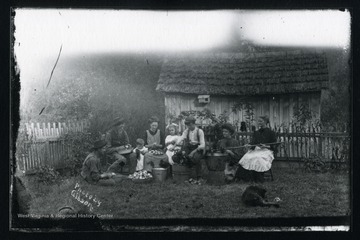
(143, 174)
(156, 152)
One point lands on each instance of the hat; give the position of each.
(229, 127)
(117, 121)
(99, 144)
(189, 120)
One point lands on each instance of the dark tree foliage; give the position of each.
(99, 88)
(336, 105)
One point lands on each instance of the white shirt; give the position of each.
(140, 162)
(171, 138)
(193, 137)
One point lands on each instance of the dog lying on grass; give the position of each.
(255, 196)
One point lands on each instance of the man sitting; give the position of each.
(119, 150)
(91, 168)
(194, 145)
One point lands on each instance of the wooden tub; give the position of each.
(216, 161)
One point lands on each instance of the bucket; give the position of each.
(151, 160)
(180, 173)
(159, 174)
(216, 161)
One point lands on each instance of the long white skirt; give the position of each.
(170, 154)
(259, 159)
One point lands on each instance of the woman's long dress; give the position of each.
(259, 159)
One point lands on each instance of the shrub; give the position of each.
(47, 175)
(79, 144)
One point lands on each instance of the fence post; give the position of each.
(47, 153)
(290, 139)
(287, 142)
(48, 130)
(43, 129)
(53, 131)
(60, 129)
(307, 144)
(27, 131)
(64, 128)
(281, 130)
(320, 145)
(36, 132)
(32, 129)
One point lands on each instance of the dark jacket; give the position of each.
(264, 135)
(230, 142)
(118, 139)
(91, 168)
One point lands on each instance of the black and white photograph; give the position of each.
(174, 120)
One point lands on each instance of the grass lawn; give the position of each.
(302, 195)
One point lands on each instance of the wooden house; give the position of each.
(273, 82)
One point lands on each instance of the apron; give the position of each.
(259, 159)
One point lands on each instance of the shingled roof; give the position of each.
(244, 74)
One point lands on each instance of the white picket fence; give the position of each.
(53, 130)
(43, 143)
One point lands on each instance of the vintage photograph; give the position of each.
(129, 115)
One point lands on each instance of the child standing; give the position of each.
(140, 151)
(172, 142)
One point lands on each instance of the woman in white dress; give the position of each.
(259, 158)
(172, 141)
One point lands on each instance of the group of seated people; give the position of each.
(247, 162)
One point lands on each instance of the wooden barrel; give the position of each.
(216, 161)
(180, 173)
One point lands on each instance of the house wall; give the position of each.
(279, 108)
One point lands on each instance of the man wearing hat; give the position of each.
(118, 148)
(194, 145)
(91, 168)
